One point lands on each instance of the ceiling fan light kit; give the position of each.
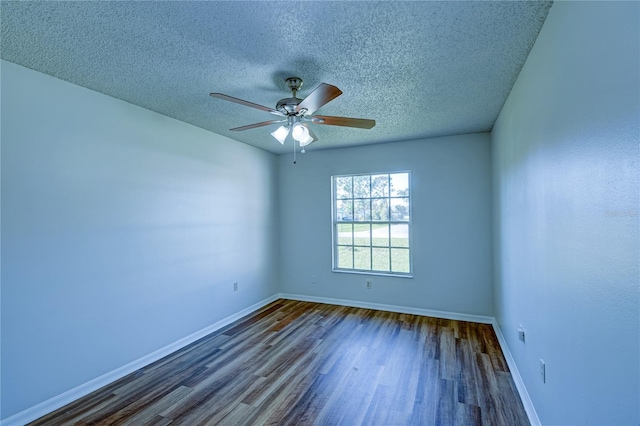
(281, 134)
(297, 113)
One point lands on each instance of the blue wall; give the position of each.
(566, 176)
(451, 224)
(122, 232)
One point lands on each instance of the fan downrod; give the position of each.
(294, 84)
(287, 106)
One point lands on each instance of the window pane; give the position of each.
(400, 185)
(365, 237)
(344, 210)
(380, 259)
(362, 258)
(400, 235)
(345, 234)
(361, 185)
(362, 234)
(362, 210)
(380, 209)
(400, 260)
(345, 257)
(344, 187)
(400, 209)
(379, 186)
(380, 234)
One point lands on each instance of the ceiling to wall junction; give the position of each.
(420, 69)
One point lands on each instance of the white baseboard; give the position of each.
(52, 404)
(515, 374)
(391, 308)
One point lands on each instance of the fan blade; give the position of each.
(246, 103)
(361, 123)
(256, 125)
(322, 95)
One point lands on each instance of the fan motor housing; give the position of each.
(288, 106)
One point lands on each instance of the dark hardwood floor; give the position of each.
(308, 363)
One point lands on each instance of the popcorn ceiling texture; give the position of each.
(420, 69)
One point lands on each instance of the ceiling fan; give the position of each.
(297, 114)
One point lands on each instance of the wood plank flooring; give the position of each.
(301, 363)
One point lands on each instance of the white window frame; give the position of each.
(335, 222)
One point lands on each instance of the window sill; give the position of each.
(374, 273)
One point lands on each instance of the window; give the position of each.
(371, 223)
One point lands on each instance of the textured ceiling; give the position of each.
(420, 69)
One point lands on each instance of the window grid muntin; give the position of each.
(371, 222)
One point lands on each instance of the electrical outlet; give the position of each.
(369, 284)
(235, 286)
(521, 333)
(543, 372)
(314, 279)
